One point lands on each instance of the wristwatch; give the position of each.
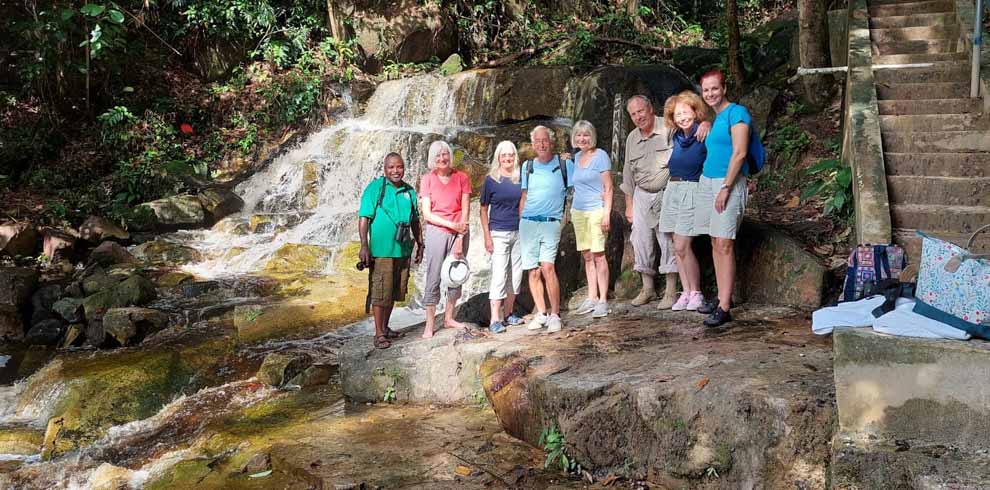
(725, 186)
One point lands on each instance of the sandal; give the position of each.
(381, 342)
(392, 334)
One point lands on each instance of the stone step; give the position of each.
(938, 164)
(938, 218)
(930, 106)
(942, 71)
(924, 90)
(929, 46)
(937, 141)
(933, 122)
(911, 242)
(883, 35)
(913, 20)
(918, 189)
(899, 59)
(927, 7)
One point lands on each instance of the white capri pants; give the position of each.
(506, 264)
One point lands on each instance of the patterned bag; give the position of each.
(868, 266)
(954, 285)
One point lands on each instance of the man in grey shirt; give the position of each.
(644, 177)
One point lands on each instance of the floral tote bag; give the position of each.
(954, 285)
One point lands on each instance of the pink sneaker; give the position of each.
(697, 299)
(682, 302)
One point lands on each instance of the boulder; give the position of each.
(42, 302)
(278, 368)
(94, 334)
(315, 375)
(760, 102)
(219, 203)
(416, 31)
(98, 280)
(97, 229)
(16, 286)
(135, 291)
(110, 253)
(11, 324)
(258, 463)
(165, 252)
(453, 64)
(173, 279)
(18, 239)
(177, 212)
(56, 244)
(235, 225)
(110, 477)
(774, 268)
(127, 325)
(47, 332)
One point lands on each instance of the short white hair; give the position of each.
(532, 134)
(435, 148)
(642, 98)
(583, 126)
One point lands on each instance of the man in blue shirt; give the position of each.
(544, 187)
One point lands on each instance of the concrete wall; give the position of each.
(862, 147)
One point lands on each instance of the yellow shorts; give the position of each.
(588, 230)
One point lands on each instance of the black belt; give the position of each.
(678, 179)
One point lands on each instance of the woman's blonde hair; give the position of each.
(584, 126)
(435, 147)
(692, 100)
(495, 172)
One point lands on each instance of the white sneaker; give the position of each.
(553, 324)
(538, 321)
(586, 306)
(601, 310)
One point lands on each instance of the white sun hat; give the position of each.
(454, 272)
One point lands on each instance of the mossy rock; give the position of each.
(168, 253)
(173, 279)
(117, 387)
(135, 291)
(297, 258)
(22, 440)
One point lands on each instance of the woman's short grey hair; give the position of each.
(583, 126)
(435, 148)
(504, 147)
(532, 133)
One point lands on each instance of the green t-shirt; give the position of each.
(398, 206)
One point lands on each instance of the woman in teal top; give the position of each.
(722, 190)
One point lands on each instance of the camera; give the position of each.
(360, 266)
(403, 233)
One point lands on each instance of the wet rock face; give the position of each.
(134, 291)
(18, 239)
(46, 332)
(163, 252)
(219, 203)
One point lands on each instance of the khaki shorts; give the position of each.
(389, 280)
(588, 230)
(677, 212)
(724, 224)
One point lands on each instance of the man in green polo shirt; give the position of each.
(388, 216)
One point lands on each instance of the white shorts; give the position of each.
(726, 223)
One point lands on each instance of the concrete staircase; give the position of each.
(936, 141)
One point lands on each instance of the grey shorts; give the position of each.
(677, 213)
(724, 224)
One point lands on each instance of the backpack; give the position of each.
(868, 267)
(562, 166)
(756, 154)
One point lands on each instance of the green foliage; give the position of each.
(553, 443)
(480, 399)
(389, 396)
(789, 142)
(831, 181)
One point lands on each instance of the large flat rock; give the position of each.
(645, 394)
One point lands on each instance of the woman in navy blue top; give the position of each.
(500, 195)
(684, 112)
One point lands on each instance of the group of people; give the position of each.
(683, 176)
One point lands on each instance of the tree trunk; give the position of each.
(736, 79)
(335, 22)
(813, 50)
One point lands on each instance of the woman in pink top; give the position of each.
(445, 199)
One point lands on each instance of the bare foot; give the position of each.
(454, 324)
(427, 334)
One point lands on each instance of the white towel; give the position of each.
(904, 322)
(849, 314)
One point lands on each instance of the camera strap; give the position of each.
(381, 197)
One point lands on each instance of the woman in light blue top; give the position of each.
(722, 190)
(590, 213)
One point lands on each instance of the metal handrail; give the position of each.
(974, 87)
